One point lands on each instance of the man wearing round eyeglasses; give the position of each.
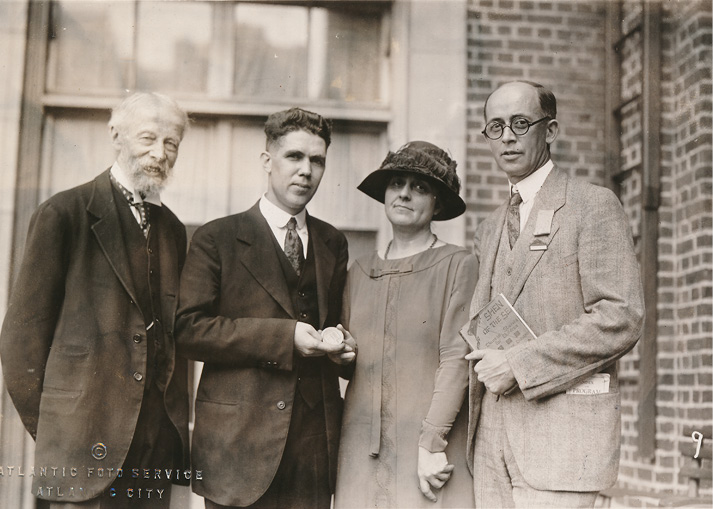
(544, 428)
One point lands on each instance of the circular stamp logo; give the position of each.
(99, 451)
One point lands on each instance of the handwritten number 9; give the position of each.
(697, 436)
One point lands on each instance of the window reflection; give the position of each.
(271, 51)
(311, 53)
(173, 48)
(249, 51)
(352, 52)
(90, 47)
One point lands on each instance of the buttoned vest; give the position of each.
(502, 272)
(303, 294)
(143, 255)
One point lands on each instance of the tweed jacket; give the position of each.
(582, 298)
(73, 341)
(236, 315)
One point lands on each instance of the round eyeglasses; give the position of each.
(494, 130)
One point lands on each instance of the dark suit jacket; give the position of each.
(67, 343)
(236, 315)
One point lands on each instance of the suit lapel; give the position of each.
(551, 196)
(169, 268)
(107, 230)
(261, 259)
(324, 267)
(488, 254)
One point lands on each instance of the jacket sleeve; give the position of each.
(451, 379)
(33, 312)
(203, 334)
(342, 286)
(613, 307)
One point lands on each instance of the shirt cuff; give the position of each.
(433, 438)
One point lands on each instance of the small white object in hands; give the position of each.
(332, 336)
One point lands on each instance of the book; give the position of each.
(497, 326)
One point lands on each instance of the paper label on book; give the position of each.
(497, 326)
(598, 383)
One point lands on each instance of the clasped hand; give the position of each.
(308, 343)
(493, 369)
(433, 472)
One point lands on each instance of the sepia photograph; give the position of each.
(331, 254)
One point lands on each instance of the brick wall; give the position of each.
(684, 280)
(556, 43)
(561, 45)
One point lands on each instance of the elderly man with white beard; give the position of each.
(87, 344)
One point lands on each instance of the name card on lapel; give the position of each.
(538, 245)
(543, 226)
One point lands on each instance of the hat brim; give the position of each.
(374, 186)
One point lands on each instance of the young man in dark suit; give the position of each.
(257, 288)
(87, 347)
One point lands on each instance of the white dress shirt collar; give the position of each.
(530, 185)
(121, 177)
(277, 221)
(278, 218)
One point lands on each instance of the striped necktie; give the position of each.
(514, 217)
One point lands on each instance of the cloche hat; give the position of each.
(427, 161)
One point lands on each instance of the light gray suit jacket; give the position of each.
(582, 297)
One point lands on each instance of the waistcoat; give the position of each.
(143, 254)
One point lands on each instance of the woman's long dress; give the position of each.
(410, 378)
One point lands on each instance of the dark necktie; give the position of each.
(514, 217)
(145, 214)
(293, 246)
(141, 207)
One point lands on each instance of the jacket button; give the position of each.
(281, 405)
(303, 315)
(509, 272)
(137, 338)
(138, 376)
(99, 451)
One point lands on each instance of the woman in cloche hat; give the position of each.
(399, 444)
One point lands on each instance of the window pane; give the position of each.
(271, 51)
(352, 54)
(173, 52)
(90, 46)
(76, 148)
(356, 151)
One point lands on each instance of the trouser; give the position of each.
(497, 479)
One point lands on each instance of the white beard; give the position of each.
(147, 181)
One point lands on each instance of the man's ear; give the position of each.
(266, 160)
(115, 138)
(553, 129)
